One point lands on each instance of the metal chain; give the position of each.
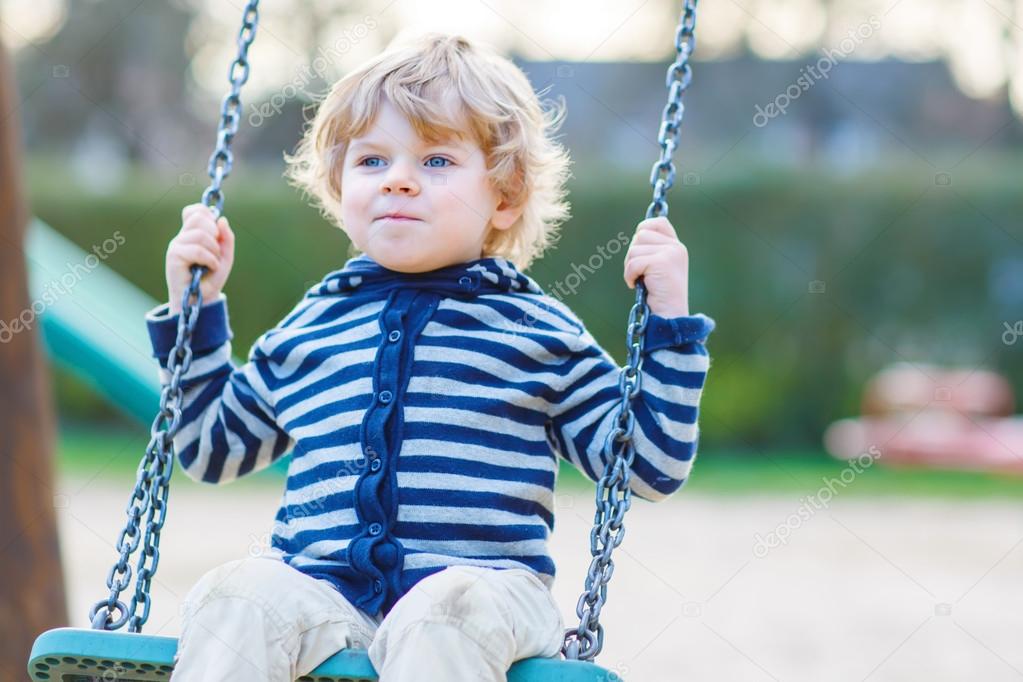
(222, 160)
(614, 496)
(152, 483)
(153, 478)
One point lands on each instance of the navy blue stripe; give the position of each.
(469, 531)
(473, 499)
(672, 377)
(467, 467)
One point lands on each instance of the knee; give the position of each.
(458, 597)
(450, 605)
(250, 578)
(458, 594)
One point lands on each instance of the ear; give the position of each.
(505, 215)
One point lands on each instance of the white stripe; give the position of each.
(518, 337)
(236, 446)
(414, 447)
(328, 424)
(311, 496)
(342, 455)
(311, 555)
(334, 394)
(679, 395)
(413, 513)
(461, 547)
(296, 525)
(582, 393)
(450, 388)
(332, 365)
(272, 339)
(681, 362)
(637, 486)
(423, 560)
(658, 458)
(200, 366)
(434, 481)
(530, 312)
(188, 432)
(485, 363)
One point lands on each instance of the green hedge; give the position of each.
(907, 270)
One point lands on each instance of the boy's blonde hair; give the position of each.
(491, 96)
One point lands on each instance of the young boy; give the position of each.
(426, 390)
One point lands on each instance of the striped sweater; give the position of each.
(426, 414)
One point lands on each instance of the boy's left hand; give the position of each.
(662, 260)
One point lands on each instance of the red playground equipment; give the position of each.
(928, 416)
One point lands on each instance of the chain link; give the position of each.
(614, 496)
(152, 481)
(222, 160)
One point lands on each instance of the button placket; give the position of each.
(374, 487)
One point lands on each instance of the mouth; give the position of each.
(397, 217)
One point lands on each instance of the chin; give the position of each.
(410, 264)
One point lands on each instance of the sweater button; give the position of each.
(394, 335)
(375, 528)
(385, 397)
(378, 586)
(385, 555)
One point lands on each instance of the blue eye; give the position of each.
(429, 162)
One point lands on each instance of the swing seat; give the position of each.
(83, 654)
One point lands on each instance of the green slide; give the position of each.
(92, 320)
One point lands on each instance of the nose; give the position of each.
(399, 180)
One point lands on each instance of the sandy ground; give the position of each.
(865, 589)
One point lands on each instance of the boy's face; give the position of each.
(442, 188)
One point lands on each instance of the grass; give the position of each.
(114, 455)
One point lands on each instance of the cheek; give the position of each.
(466, 200)
(354, 196)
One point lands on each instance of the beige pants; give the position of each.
(258, 619)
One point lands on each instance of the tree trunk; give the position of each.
(31, 579)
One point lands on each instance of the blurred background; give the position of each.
(849, 190)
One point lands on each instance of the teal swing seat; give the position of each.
(82, 654)
(102, 653)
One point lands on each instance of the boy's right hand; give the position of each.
(206, 242)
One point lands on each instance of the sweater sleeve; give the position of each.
(228, 425)
(666, 433)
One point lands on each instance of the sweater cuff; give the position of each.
(212, 328)
(666, 332)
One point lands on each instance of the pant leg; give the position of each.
(467, 624)
(259, 620)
